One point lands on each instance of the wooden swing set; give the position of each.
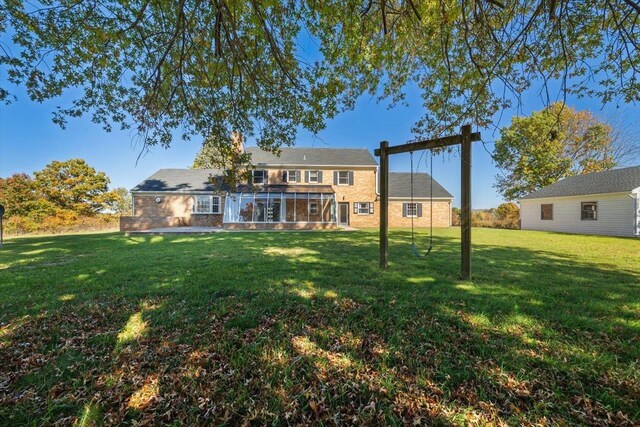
(464, 139)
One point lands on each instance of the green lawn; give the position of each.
(299, 328)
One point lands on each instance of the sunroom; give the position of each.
(307, 205)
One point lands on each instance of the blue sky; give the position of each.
(29, 140)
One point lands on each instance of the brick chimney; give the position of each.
(237, 140)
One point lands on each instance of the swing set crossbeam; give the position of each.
(428, 144)
(464, 139)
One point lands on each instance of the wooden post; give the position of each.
(384, 205)
(465, 212)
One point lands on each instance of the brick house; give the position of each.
(303, 188)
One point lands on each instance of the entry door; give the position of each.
(343, 213)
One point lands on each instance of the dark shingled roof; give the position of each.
(313, 157)
(180, 180)
(400, 186)
(611, 181)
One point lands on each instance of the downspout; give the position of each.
(377, 181)
(636, 214)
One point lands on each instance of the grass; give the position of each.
(300, 328)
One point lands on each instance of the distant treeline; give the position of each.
(507, 215)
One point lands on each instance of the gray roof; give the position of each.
(313, 157)
(611, 181)
(180, 180)
(400, 186)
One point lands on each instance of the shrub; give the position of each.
(455, 217)
(62, 221)
(508, 215)
(20, 225)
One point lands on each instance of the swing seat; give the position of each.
(418, 254)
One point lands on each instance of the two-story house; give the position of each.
(303, 188)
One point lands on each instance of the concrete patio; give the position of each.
(208, 230)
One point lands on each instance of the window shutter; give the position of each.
(265, 176)
(419, 206)
(306, 176)
(285, 176)
(319, 177)
(371, 208)
(335, 177)
(350, 177)
(355, 208)
(404, 210)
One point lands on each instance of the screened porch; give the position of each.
(280, 207)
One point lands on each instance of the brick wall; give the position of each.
(441, 214)
(171, 205)
(279, 226)
(174, 210)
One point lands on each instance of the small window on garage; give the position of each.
(546, 212)
(589, 211)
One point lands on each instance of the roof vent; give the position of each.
(304, 157)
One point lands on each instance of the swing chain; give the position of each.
(412, 204)
(413, 245)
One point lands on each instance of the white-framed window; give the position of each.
(313, 177)
(343, 177)
(290, 176)
(206, 205)
(363, 208)
(314, 208)
(259, 176)
(589, 211)
(412, 209)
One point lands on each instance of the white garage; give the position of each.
(605, 203)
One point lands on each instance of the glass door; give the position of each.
(343, 213)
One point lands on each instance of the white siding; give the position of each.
(616, 215)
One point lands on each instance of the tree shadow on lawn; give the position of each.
(303, 328)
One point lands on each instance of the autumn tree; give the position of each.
(265, 69)
(551, 144)
(74, 185)
(17, 194)
(121, 201)
(228, 156)
(507, 215)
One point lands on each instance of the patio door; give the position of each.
(343, 213)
